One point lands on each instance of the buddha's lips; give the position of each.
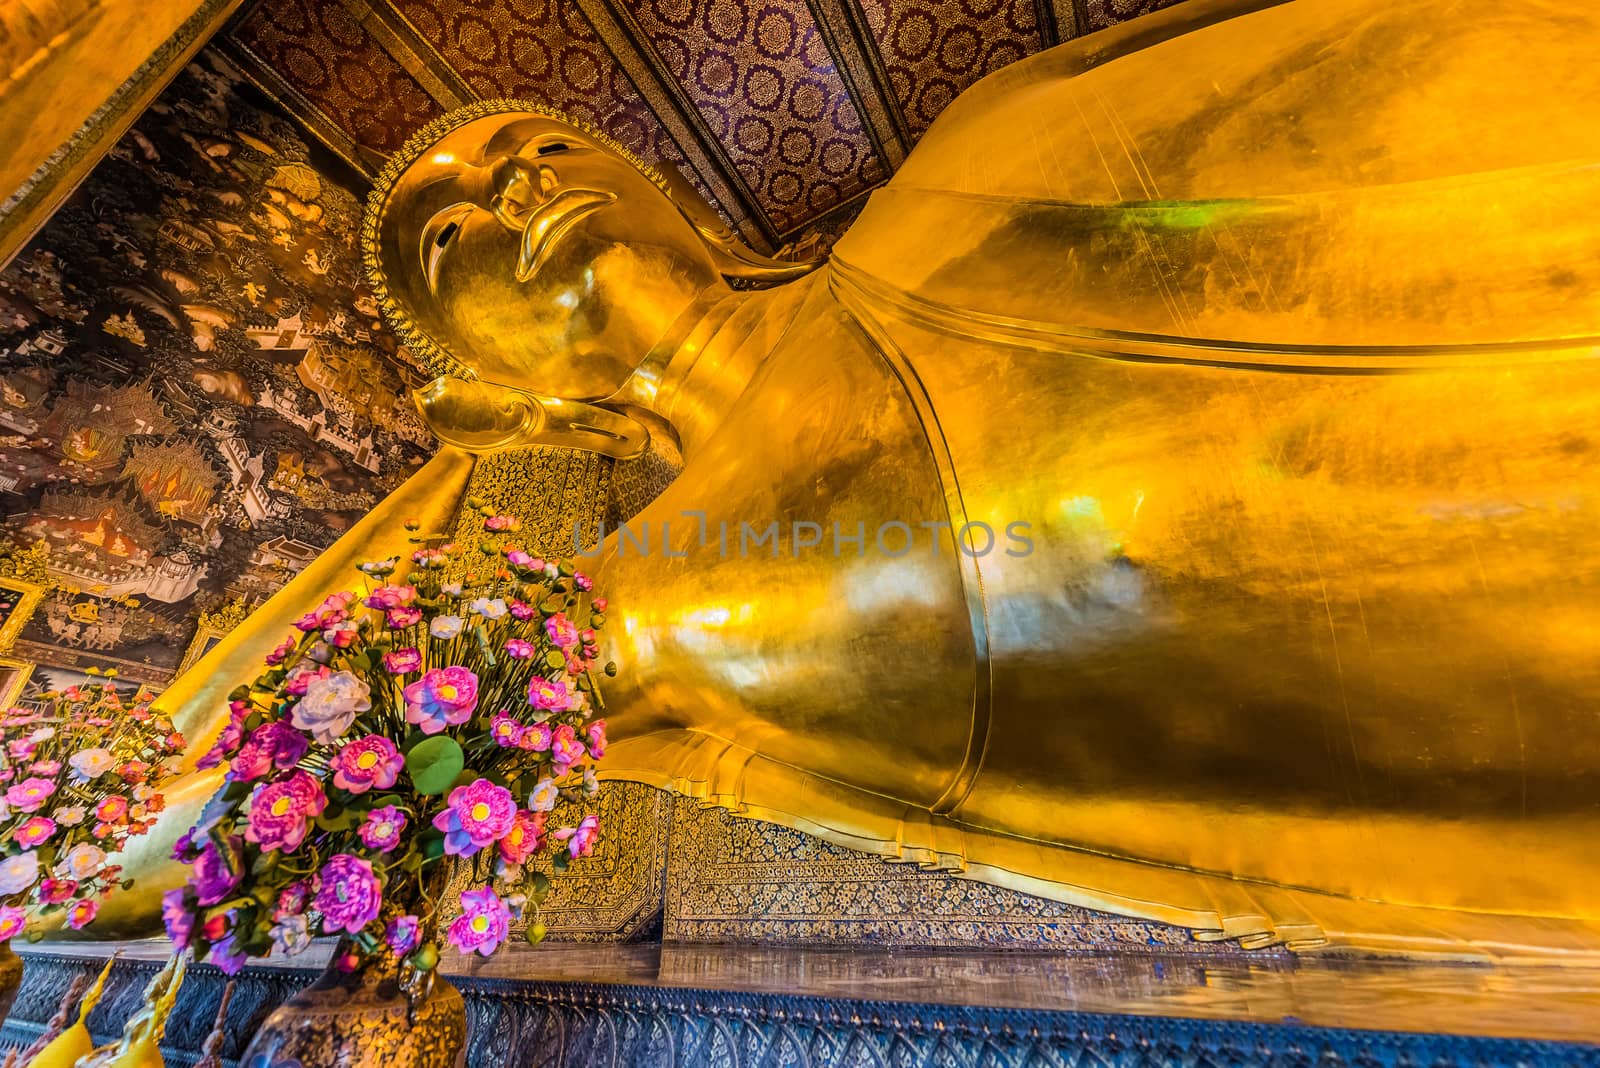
(552, 219)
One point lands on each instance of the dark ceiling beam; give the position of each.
(1058, 21)
(676, 111)
(395, 34)
(291, 101)
(855, 53)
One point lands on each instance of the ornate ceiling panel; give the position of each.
(784, 113)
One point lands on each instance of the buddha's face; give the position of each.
(538, 256)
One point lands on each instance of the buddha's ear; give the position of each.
(483, 417)
(733, 258)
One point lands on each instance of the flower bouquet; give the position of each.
(400, 729)
(80, 779)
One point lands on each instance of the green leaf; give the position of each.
(342, 820)
(556, 659)
(538, 883)
(434, 763)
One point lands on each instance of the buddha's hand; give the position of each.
(484, 417)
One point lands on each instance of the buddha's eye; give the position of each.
(552, 147)
(446, 234)
(441, 230)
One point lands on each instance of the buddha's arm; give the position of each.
(198, 700)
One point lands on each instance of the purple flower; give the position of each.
(367, 763)
(483, 924)
(382, 828)
(402, 933)
(349, 897)
(271, 745)
(280, 812)
(479, 813)
(227, 955)
(444, 697)
(215, 873)
(405, 616)
(402, 661)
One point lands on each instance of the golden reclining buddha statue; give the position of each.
(1249, 351)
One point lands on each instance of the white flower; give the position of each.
(489, 609)
(43, 734)
(92, 763)
(544, 795)
(451, 589)
(445, 627)
(291, 936)
(143, 792)
(18, 873)
(71, 816)
(591, 784)
(331, 705)
(84, 861)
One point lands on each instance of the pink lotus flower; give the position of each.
(521, 610)
(369, 763)
(21, 749)
(537, 738)
(405, 616)
(582, 581)
(55, 891)
(333, 610)
(402, 661)
(49, 769)
(505, 730)
(82, 914)
(565, 749)
(502, 522)
(517, 649)
(597, 739)
(483, 924)
(385, 598)
(34, 831)
(599, 604)
(549, 696)
(479, 813)
(382, 828)
(112, 810)
(581, 839)
(349, 897)
(30, 794)
(444, 697)
(561, 630)
(522, 840)
(271, 745)
(12, 921)
(280, 812)
(302, 675)
(518, 558)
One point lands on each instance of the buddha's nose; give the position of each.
(519, 186)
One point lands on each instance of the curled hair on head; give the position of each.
(732, 257)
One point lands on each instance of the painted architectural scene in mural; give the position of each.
(196, 393)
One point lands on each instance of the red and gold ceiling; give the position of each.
(783, 112)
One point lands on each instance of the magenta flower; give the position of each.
(349, 897)
(178, 918)
(502, 522)
(21, 749)
(522, 610)
(401, 934)
(55, 891)
(519, 558)
(597, 739)
(538, 737)
(581, 839)
(12, 921)
(404, 616)
(549, 696)
(382, 828)
(385, 598)
(582, 581)
(292, 900)
(522, 840)
(479, 813)
(368, 763)
(505, 730)
(281, 653)
(47, 768)
(562, 631)
(215, 873)
(82, 914)
(402, 661)
(517, 649)
(331, 611)
(483, 924)
(302, 675)
(271, 745)
(34, 831)
(30, 794)
(444, 697)
(565, 749)
(281, 812)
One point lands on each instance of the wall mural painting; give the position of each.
(196, 393)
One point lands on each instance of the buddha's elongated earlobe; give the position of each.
(484, 417)
(733, 258)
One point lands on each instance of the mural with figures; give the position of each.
(196, 393)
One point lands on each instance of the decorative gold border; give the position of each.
(198, 647)
(11, 690)
(32, 594)
(434, 356)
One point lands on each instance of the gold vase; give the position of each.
(10, 978)
(364, 1019)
